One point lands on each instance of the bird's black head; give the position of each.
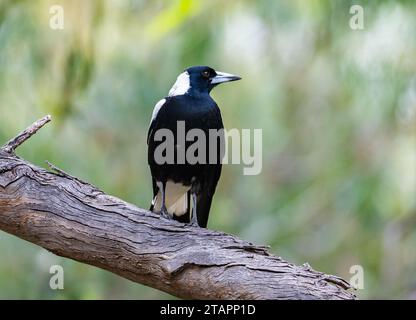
(200, 79)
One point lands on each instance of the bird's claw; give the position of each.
(194, 223)
(164, 213)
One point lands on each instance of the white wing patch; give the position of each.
(157, 108)
(181, 86)
(176, 198)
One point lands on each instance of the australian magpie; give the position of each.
(182, 188)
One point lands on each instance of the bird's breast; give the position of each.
(200, 113)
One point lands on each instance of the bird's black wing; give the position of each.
(150, 130)
(155, 191)
(159, 105)
(150, 133)
(155, 188)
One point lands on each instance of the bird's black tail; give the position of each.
(202, 210)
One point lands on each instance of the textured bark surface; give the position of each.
(76, 220)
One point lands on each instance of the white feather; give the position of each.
(181, 86)
(176, 198)
(157, 108)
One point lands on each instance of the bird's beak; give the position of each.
(224, 77)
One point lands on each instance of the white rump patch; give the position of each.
(181, 86)
(157, 108)
(176, 198)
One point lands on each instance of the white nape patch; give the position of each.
(157, 108)
(181, 86)
(176, 198)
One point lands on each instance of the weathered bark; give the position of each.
(73, 219)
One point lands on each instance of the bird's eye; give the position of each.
(206, 73)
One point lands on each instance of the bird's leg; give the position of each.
(163, 209)
(194, 218)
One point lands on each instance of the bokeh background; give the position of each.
(337, 107)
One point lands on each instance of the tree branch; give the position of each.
(11, 146)
(73, 219)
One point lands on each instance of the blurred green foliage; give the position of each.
(337, 108)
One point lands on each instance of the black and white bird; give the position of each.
(184, 190)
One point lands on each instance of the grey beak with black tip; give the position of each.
(224, 77)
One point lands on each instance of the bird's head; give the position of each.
(200, 79)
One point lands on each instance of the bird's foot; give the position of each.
(193, 223)
(164, 213)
